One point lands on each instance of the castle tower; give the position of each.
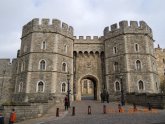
(45, 57)
(129, 58)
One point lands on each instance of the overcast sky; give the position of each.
(88, 17)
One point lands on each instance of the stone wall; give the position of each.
(160, 61)
(26, 111)
(5, 80)
(156, 100)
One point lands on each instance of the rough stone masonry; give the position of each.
(123, 58)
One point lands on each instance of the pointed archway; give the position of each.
(88, 88)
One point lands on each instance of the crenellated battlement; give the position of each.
(86, 38)
(5, 67)
(159, 49)
(45, 26)
(125, 27)
(5, 61)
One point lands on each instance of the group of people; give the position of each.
(104, 96)
(12, 118)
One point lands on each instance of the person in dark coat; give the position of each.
(101, 95)
(107, 97)
(1, 119)
(66, 102)
(149, 106)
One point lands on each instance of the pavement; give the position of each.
(112, 116)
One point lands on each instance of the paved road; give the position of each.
(112, 117)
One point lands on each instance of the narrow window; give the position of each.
(20, 88)
(138, 65)
(42, 65)
(63, 87)
(157, 86)
(64, 67)
(43, 45)
(163, 61)
(117, 86)
(66, 48)
(141, 85)
(116, 66)
(40, 87)
(114, 50)
(154, 68)
(136, 48)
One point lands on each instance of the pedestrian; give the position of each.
(149, 106)
(66, 102)
(104, 95)
(107, 97)
(119, 107)
(12, 118)
(134, 107)
(101, 95)
(1, 119)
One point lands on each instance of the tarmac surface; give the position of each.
(97, 116)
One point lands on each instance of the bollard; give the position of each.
(134, 107)
(119, 108)
(89, 110)
(73, 111)
(57, 112)
(149, 107)
(104, 109)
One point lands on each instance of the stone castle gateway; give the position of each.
(49, 50)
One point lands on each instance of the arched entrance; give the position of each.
(88, 88)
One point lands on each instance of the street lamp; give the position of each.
(122, 90)
(122, 100)
(68, 79)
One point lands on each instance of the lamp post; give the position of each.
(122, 90)
(68, 79)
